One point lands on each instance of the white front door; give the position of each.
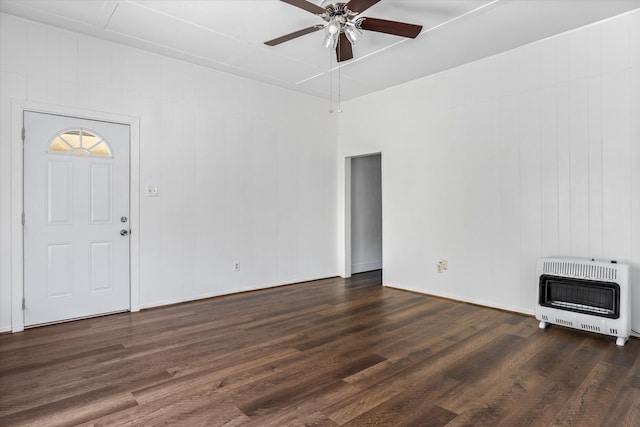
(76, 205)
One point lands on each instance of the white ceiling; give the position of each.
(229, 35)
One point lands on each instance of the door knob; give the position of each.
(124, 232)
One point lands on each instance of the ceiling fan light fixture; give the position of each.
(331, 41)
(353, 33)
(333, 27)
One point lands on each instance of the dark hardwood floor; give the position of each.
(330, 352)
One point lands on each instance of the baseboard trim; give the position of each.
(366, 266)
(457, 298)
(163, 303)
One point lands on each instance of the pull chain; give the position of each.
(330, 83)
(339, 89)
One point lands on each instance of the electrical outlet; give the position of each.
(442, 266)
(151, 191)
(236, 266)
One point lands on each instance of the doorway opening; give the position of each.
(365, 213)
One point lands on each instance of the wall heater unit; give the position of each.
(584, 294)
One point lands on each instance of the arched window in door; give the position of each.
(80, 142)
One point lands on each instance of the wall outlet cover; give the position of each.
(151, 190)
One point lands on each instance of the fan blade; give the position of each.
(293, 35)
(309, 7)
(391, 27)
(344, 52)
(359, 6)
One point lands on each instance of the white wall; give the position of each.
(535, 152)
(246, 171)
(366, 213)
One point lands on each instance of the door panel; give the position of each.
(59, 270)
(101, 195)
(60, 192)
(101, 266)
(76, 189)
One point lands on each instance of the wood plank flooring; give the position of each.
(324, 353)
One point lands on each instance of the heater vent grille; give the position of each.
(564, 322)
(582, 270)
(580, 295)
(592, 328)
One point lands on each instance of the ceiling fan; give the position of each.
(343, 25)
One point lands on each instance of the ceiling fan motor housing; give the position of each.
(337, 9)
(339, 16)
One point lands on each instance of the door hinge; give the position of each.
(23, 218)
(23, 304)
(23, 134)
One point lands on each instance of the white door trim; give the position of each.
(344, 210)
(18, 106)
(347, 217)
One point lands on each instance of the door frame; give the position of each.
(344, 225)
(18, 107)
(351, 195)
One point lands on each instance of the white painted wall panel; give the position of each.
(594, 46)
(564, 170)
(596, 206)
(37, 45)
(616, 44)
(14, 56)
(616, 165)
(578, 45)
(549, 170)
(509, 195)
(563, 143)
(528, 141)
(579, 166)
